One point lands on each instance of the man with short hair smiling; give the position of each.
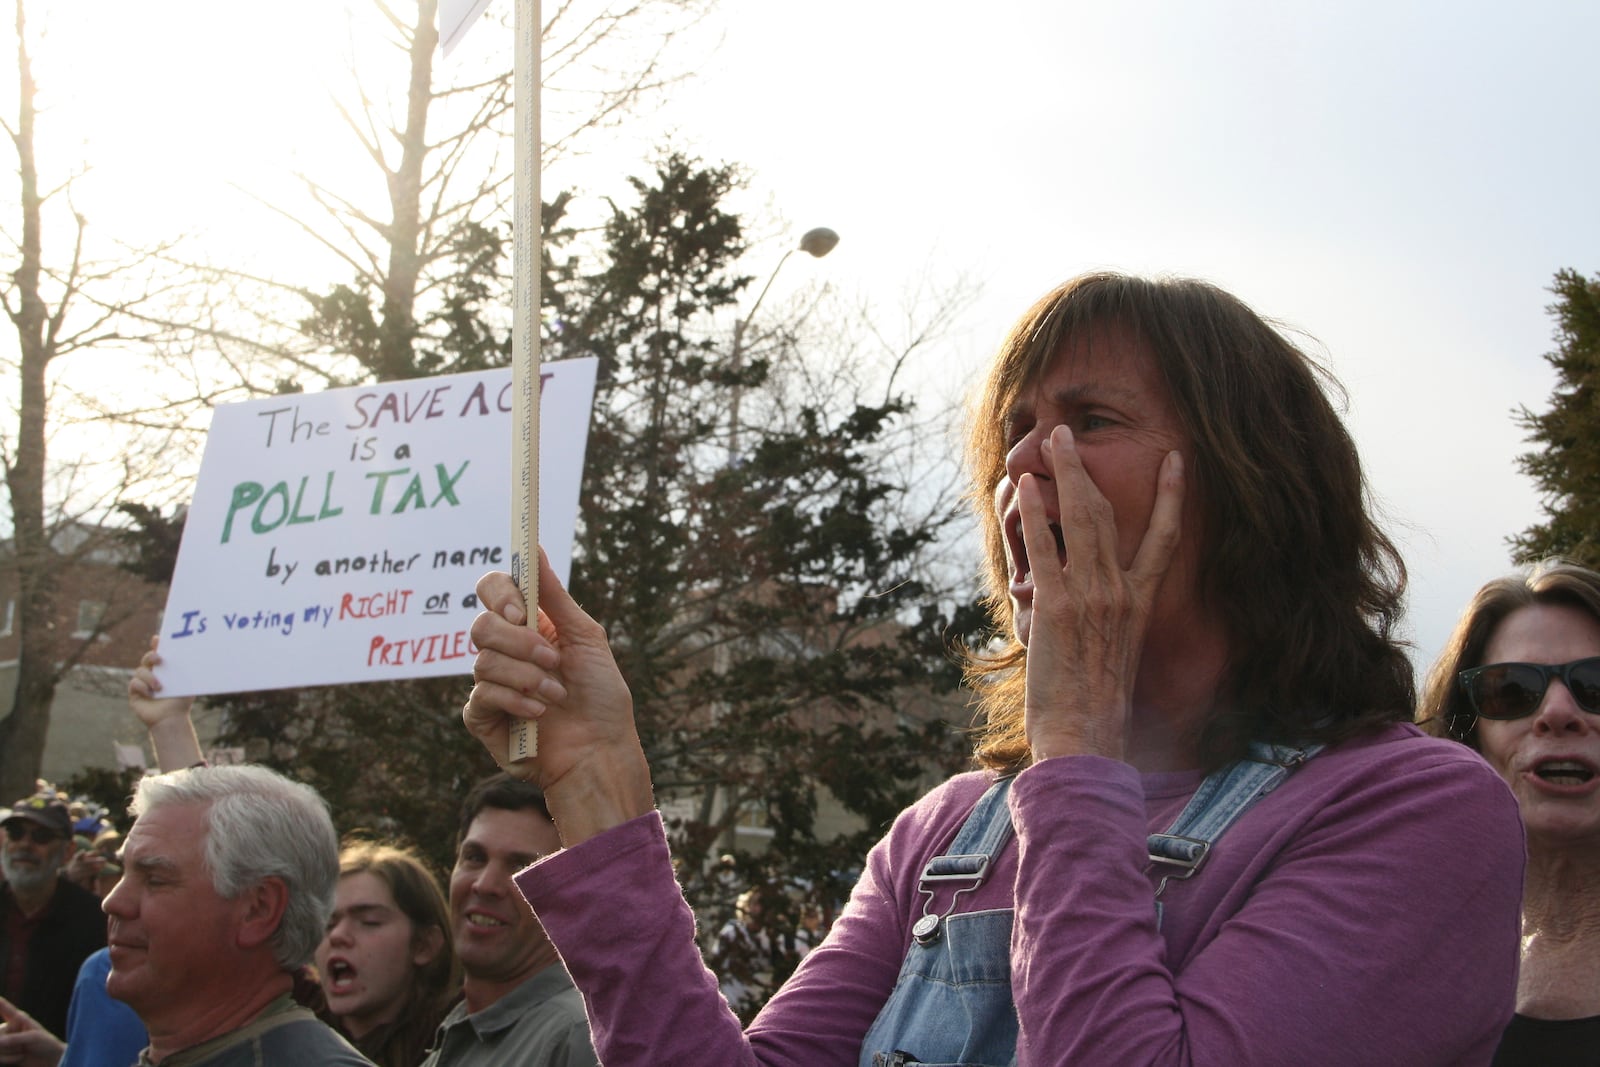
(518, 1005)
(48, 925)
(228, 883)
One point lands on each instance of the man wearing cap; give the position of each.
(48, 925)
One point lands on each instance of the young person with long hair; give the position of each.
(387, 965)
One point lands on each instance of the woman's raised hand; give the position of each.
(168, 719)
(562, 677)
(143, 687)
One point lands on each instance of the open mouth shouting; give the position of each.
(1017, 548)
(1019, 565)
(341, 976)
(1564, 773)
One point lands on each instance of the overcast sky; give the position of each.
(1398, 179)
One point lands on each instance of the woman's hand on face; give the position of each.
(563, 678)
(1090, 616)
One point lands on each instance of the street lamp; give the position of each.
(816, 242)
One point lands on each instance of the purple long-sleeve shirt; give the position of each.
(1366, 912)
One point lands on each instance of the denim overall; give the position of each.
(951, 1006)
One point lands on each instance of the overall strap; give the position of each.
(935, 1009)
(980, 839)
(968, 859)
(1225, 795)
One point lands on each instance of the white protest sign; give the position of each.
(456, 18)
(337, 537)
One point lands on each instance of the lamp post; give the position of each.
(816, 242)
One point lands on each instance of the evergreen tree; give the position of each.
(774, 611)
(1566, 466)
(772, 606)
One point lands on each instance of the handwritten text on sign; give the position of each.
(336, 537)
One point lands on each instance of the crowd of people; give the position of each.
(1211, 821)
(242, 931)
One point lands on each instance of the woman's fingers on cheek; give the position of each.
(1036, 535)
(1067, 472)
(1087, 523)
(1166, 519)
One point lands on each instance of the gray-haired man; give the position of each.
(228, 885)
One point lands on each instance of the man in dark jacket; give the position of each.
(48, 925)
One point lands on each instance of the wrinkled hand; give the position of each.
(24, 1042)
(563, 677)
(1089, 617)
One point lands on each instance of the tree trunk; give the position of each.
(22, 735)
(396, 358)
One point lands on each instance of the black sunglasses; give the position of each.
(42, 835)
(1513, 690)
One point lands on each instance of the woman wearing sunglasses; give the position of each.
(1519, 681)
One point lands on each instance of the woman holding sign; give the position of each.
(1203, 831)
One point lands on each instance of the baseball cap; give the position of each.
(44, 809)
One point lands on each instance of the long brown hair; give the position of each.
(1306, 584)
(1445, 710)
(434, 985)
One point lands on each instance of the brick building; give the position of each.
(104, 618)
